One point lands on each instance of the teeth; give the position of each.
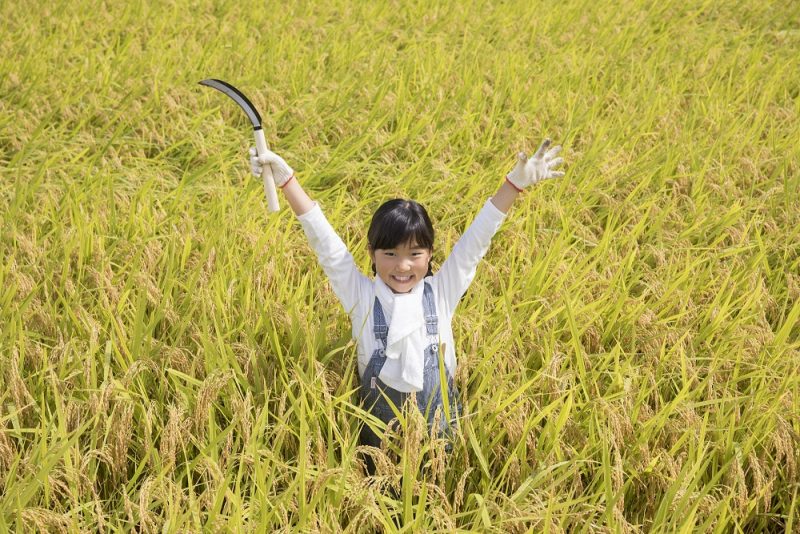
(402, 278)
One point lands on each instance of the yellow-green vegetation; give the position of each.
(173, 359)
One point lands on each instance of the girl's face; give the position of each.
(402, 267)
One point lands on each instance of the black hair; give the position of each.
(400, 221)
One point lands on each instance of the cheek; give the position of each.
(384, 264)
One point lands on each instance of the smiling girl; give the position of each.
(402, 316)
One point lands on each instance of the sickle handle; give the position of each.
(266, 173)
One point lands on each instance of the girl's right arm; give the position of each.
(284, 178)
(332, 253)
(297, 198)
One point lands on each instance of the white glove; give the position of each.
(281, 172)
(539, 167)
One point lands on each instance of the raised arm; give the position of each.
(505, 197)
(332, 253)
(297, 198)
(458, 270)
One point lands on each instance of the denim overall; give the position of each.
(428, 400)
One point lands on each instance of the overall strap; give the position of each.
(379, 326)
(429, 308)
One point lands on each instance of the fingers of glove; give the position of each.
(550, 154)
(267, 157)
(253, 151)
(555, 162)
(540, 151)
(555, 174)
(256, 170)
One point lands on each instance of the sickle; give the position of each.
(261, 142)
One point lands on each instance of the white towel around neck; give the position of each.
(405, 342)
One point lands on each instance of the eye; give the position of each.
(388, 253)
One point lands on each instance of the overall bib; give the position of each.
(428, 400)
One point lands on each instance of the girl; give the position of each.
(402, 317)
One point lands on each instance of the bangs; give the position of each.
(400, 221)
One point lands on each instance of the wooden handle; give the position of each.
(266, 173)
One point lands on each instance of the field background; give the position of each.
(173, 359)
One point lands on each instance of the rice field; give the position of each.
(173, 359)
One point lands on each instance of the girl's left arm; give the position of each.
(505, 196)
(458, 270)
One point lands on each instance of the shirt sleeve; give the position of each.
(333, 256)
(459, 268)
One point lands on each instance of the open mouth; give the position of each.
(402, 279)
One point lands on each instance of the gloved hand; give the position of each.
(539, 167)
(281, 172)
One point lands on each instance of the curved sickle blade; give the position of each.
(237, 97)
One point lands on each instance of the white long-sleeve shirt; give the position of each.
(357, 292)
